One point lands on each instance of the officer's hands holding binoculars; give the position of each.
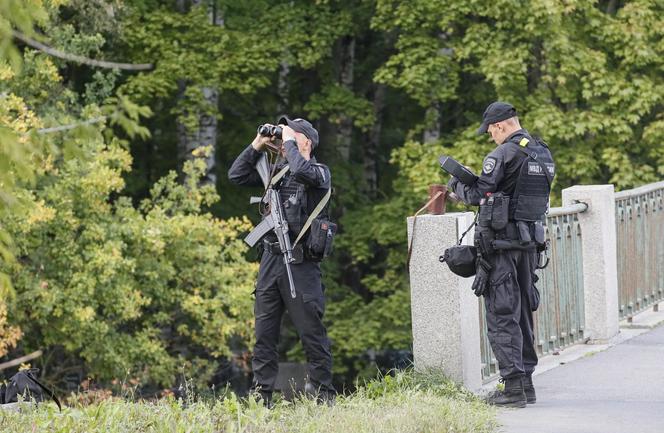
(261, 142)
(268, 134)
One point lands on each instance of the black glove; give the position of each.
(481, 281)
(451, 185)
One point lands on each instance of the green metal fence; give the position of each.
(640, 241)
(559, 321)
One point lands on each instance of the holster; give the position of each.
(484, 239)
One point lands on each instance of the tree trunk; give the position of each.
(282, 88)
(205, 133)
(345, 129)
(373, 144)
(432, 128)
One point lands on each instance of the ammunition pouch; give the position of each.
(494, 211)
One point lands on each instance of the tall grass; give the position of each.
(404, 403)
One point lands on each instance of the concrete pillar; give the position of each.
(445, 316)
(600, 274)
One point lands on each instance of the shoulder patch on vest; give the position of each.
(489, 165)
(524, 142)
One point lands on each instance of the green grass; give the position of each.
(406, 402)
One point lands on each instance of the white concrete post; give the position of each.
(600, 274)
(445, 316)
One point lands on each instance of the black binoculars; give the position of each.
(270, 131)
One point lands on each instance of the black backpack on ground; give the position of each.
(25, 383)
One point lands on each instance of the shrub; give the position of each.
(129, 290)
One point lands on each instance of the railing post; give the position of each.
(600, 277)
(445, 317)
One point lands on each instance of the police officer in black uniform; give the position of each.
(513, 194)
(302, 188)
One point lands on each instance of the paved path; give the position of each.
(619, 390)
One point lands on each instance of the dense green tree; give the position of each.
(104, 287)
(390, 85)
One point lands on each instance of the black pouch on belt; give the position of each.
(321, 238)
(524, 232)
(485, 214)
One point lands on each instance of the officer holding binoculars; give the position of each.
(303, 191)
(513, 195)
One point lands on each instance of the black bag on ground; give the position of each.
(25, 384)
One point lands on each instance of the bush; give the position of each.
(129, 290)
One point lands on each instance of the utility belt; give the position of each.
(317, 246)
(500, 233)
(496, 233)
(274, 248)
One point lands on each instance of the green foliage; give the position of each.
(140, 290)
(187, 48)
(16, 119)
(421, 70)
(594, 94)
(335, 101)
(586, 76)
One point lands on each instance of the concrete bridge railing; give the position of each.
(607, 261)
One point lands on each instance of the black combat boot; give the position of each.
(321, 396)
(512, 396)
(263, 396)
(529, 389)
(266, 397)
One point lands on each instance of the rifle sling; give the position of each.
(277, 177)
(317, 210)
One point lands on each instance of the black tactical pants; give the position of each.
(306, 312)
(509, 316)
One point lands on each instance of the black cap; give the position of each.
(495, 112)
(303, 126)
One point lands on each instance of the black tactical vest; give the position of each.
(299, 202)
(530, 200)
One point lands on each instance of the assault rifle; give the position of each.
(274, 220)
